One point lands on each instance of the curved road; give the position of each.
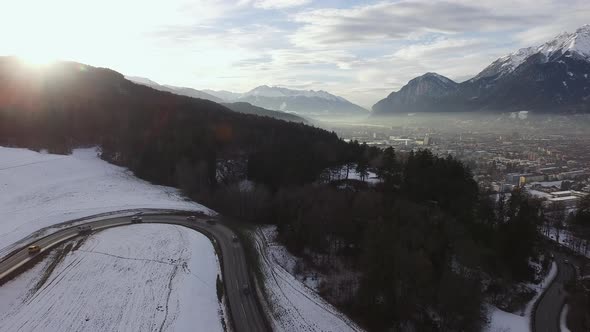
(245, 312)
(548, 311)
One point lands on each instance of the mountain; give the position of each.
(419, 94)
(223, 94)
(189, 92)
(303, 102)
(246, 108)
(142, 80)
(552, 77)
(240, 107)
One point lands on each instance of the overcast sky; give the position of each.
(361, 50)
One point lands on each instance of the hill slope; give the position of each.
(247, 108)
(163, 137)
(189, 92)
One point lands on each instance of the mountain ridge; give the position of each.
(302, 102)
(551, 77)
(189, 92)
(239, 107)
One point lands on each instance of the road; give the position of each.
(246, 313)
(548, 311)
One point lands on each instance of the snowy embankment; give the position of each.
(144, 277)
(295, 307)
(568, 239)
(502, 321)
(563, 319)
(39, 190)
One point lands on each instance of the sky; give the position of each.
(360, 50)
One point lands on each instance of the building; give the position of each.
(565, 199)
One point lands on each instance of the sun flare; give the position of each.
(37, 59)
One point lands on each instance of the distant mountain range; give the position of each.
(553, 77)
(174, 89)
(240, 107)
(223, 94)
(302, 102)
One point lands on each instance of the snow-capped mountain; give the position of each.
(575, 44)
(305, 102)
(266, 91)
(552, 77)
(506, 64)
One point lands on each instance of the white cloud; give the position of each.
(408, 19)
(279, 4)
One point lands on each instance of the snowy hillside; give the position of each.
(135, 278)
(295, 306)
(39, 190)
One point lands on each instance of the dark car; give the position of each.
(84, 229)
(33, 249)
(246, 289)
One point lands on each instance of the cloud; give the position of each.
(408, 19)
(440, 47)
(279, 4)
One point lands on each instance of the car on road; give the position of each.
(211, 221)
(84, 229)
(246, 289)
(234, 239)
(136, 219)
(191, 218)
(566, 261)
(33, 249)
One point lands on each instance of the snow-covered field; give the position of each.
(39, 190)
(295, 306)
(144, 277)
(502, 321)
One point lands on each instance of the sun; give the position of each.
(37, 59)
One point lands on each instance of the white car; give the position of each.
(191, 218)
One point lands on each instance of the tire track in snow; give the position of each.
(129, 258)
